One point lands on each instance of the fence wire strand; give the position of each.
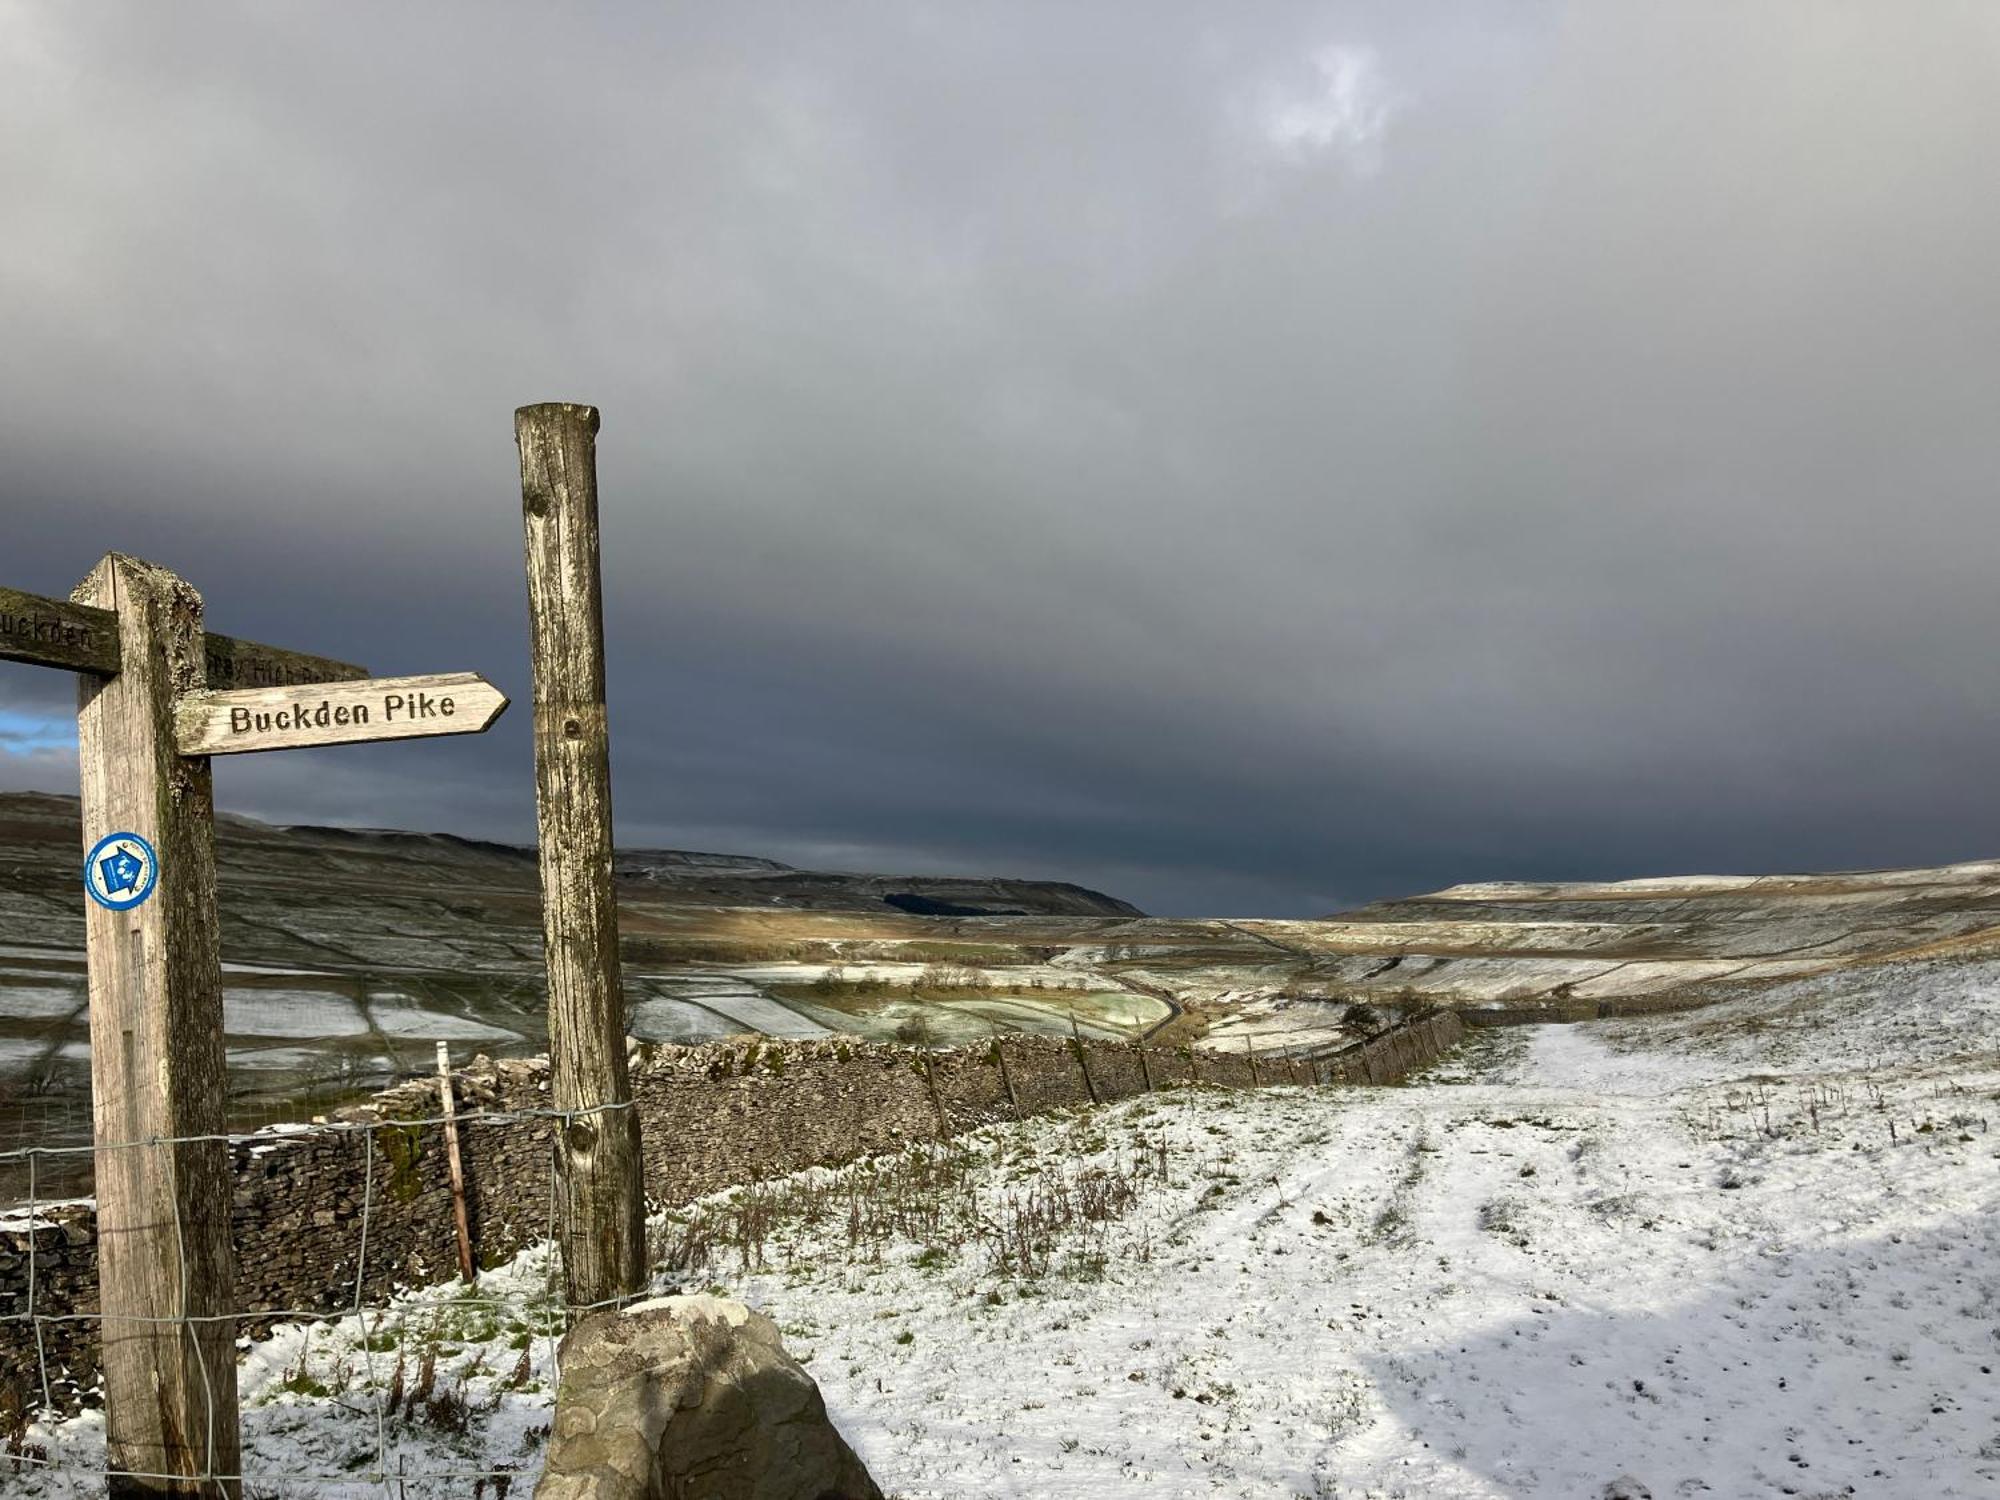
(41, 1217)
(351, 1315)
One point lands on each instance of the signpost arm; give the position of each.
(84, 638)
(165, 1262)
(602, 1225)
(336, 713)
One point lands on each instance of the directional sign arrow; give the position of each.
(335, 713)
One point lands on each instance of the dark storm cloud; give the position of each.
(1250, 464)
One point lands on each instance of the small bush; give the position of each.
(1364, 1018)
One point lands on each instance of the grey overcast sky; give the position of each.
(1251, 459)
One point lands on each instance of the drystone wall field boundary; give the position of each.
(1568, 1010)
(342, 1214)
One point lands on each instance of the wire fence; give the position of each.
(409, 1371)
(366, 1367)
(53, 1111)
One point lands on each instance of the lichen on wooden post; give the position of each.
(602, 1221)
(166, 1267)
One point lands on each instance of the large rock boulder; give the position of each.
(692, 1398)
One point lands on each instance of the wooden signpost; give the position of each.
(83, 638)
(157, 696)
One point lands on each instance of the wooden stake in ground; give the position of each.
(1006, 1078)
(166, 1268)
(602, 1220)
(1082, 1061)
(449, 1103)
(937, 1103)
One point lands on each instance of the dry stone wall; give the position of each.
(342, 1213)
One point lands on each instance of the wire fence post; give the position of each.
(937, 1102)
(166, 1267)
(603, 1213)
(1082, 1059)
(1006, 1078)
(456, 1163)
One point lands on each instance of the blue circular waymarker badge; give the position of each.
(120, 871)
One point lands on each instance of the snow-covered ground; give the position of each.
(1747, 1251)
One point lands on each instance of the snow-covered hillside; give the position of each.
(1747, 1251)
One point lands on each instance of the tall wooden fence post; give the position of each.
(602, 1228)
(166, 1267)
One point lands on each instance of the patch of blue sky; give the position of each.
(24, 732)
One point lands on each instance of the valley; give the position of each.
(348, 954)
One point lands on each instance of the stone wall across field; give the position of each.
(345, 1212)
(1538, 1012)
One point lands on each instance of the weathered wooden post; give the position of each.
(1082, 1061)
(448, 1105)
(602, 1223)
(133, 634)
(1006, 1078)
(157, 695)
(937, 1100)
(166, 1266)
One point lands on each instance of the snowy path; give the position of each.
(1589, 1265)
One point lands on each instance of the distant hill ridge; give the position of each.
(50, 826)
